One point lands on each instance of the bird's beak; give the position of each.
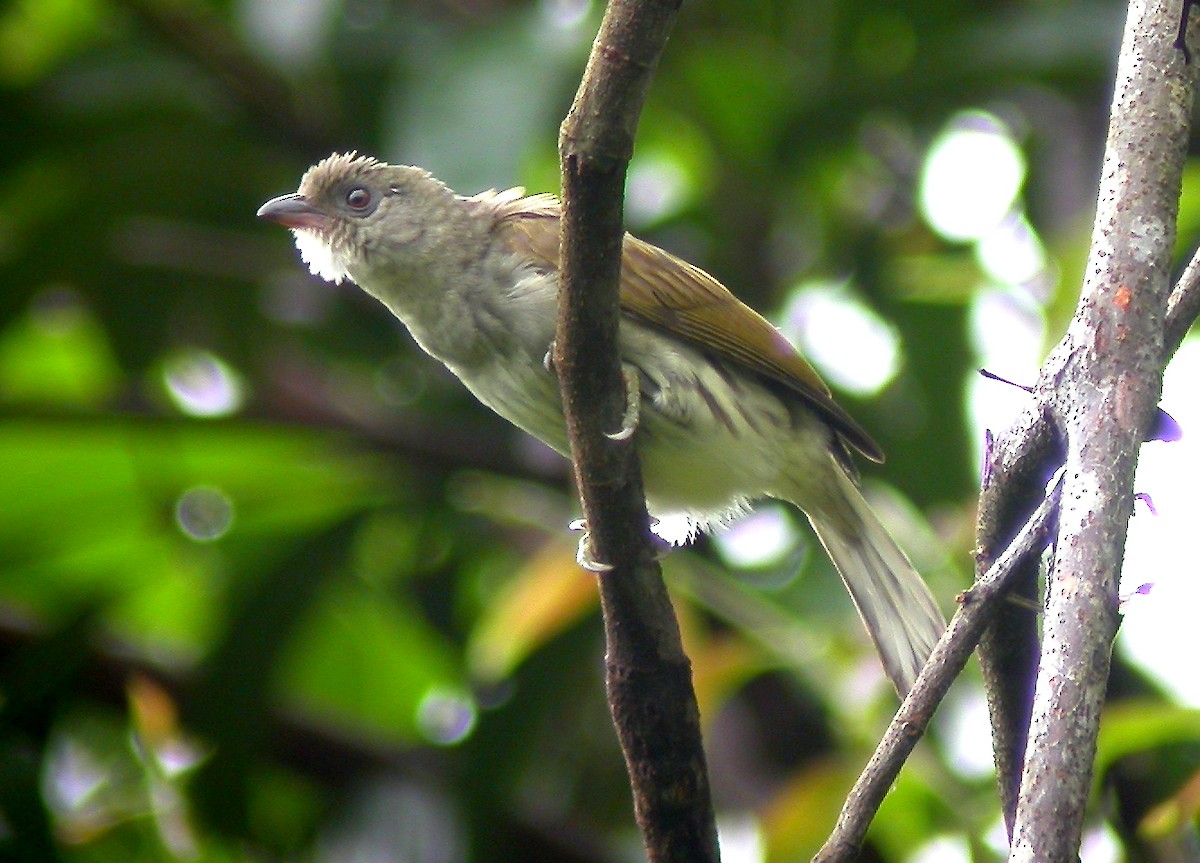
(293, 211)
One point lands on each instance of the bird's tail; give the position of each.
(895, 604)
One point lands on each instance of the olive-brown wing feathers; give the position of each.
(669, 294)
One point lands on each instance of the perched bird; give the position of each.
(729, 410)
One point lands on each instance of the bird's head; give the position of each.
(354, 213)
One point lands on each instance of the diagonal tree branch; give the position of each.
(648, 675)
(1183, 306)
(976, 607)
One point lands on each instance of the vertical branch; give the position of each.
(1102, 383)
(648, 676)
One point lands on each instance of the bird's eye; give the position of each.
(358, 198)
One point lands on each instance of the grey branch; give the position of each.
(1092, 408)
(1183, 306)
(1103, 392)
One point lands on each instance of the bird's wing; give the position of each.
(675, 297)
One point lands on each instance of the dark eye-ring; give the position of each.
(358, 198)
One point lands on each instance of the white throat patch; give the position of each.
(318, 253)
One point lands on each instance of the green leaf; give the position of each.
(1135, 726)
(367, 662)
(57, 354)
(89, 509)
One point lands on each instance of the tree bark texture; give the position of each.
(648, 676)
(1100, 386)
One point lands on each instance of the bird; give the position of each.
(728, 411)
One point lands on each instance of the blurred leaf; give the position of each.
(945, 277)
(232, 703)
(546, 595)
(1133, 726)
(919, 806)
(87, 509)
(742, 83)
(35, 35)
(468, 81)
(364, 662)
(721, 662)
(798, 819)
(1175, 814)
(57, 355)
(1188, 236)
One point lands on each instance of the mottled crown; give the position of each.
(336, 169)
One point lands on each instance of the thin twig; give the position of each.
(1183, 306)
(647, 673)
(976, 607)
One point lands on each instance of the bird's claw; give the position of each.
(633, 405)
(585, 558)
(583, 553)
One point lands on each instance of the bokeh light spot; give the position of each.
(850, 345)
(446, 716)
(204, 513)
(201, 384)
(972, 175)
(762, 538)
(658, 188)
(1012, 253)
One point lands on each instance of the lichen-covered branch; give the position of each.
(1092, 408)
(1103, 384)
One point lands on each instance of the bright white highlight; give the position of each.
(1008, 333)
(972, 176)
(944, 849)
(204, 513)
(740, 839)
(201, 384)
(1159, 632)
(290, 32)
(446, 716)
(850, 345)
(1011, 253)
(966, 734)
(759, 539)
(1100, 844)
(658, 188)
(565, 15)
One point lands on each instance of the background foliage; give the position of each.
(273, 587)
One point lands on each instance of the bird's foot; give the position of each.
(633, 405)
(585, 558)
(583, 553)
